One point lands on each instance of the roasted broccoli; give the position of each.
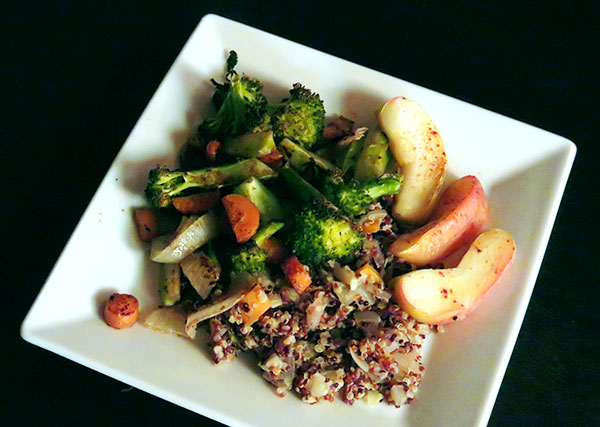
(299, 117)
(353, 197)
(163, 183)
(319, 233)
(240, 102)
(249, 258)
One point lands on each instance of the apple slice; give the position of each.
(458, 218)
(441, 296)
(418, 150)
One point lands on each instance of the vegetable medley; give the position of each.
(281, 233)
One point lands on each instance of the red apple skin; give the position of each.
(457, 219)
(418, 149)
(438, 297)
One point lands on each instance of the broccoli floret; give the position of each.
(240, 102)
(319, 233)
(300, 117)
(353, 197)
(249, 259)
(163, 183)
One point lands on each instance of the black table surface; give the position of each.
(77, 78)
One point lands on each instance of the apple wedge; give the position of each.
(418, 150)
(459, 216)
(441, 296)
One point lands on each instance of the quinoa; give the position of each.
(339, 338)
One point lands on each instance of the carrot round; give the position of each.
(243, 216)
(196, 203)
(253, 305)
(121, 311)
(297, 273)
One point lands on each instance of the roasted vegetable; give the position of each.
(299, 117)
(240, 102)
(164, 184)
(318, 233)
(353, 197)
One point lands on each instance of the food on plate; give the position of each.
(196, 204)
(193, 232)
(299, 117)
(243, 216)
(121, 311)
(441, 296)
(164, 184)
(292, 232)
(418, 149)
(457, 219)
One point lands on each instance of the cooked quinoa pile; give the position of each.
(336, 338)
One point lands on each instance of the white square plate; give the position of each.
(465, 365)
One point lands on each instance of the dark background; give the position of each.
(75, 79)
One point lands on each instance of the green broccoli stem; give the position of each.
(301, 188)
(265, 201)
(266, 232)
(253, 144)
(227, 175)
(351, 158)
(211, 253)
(163, 184)
(300, 157)
(382, 187)
(374, 157)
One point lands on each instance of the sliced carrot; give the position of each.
(243, 216)
(253, 305)
(146, 222)
(121, 311)
(370, 273)
(196, 203)
(276, 252)
(297, 273)
(274, 159)
(212, 150)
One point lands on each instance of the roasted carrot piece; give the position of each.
(274, 159)
(371, 226)
(146, 222)
(243, 216)
(212, 150)
(370, 273)
(276, 252)
(297, 273)
(196, 203)
(121, 311)
(253, 305)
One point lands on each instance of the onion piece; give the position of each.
(376, 215)
(202, 272)
(314, 312)
(192, 233)
(360, 362)
(407, 362)
(366, 317)
(357, 135)
(275, 300)
(345, 275)
(241, 284)
(166, 320)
